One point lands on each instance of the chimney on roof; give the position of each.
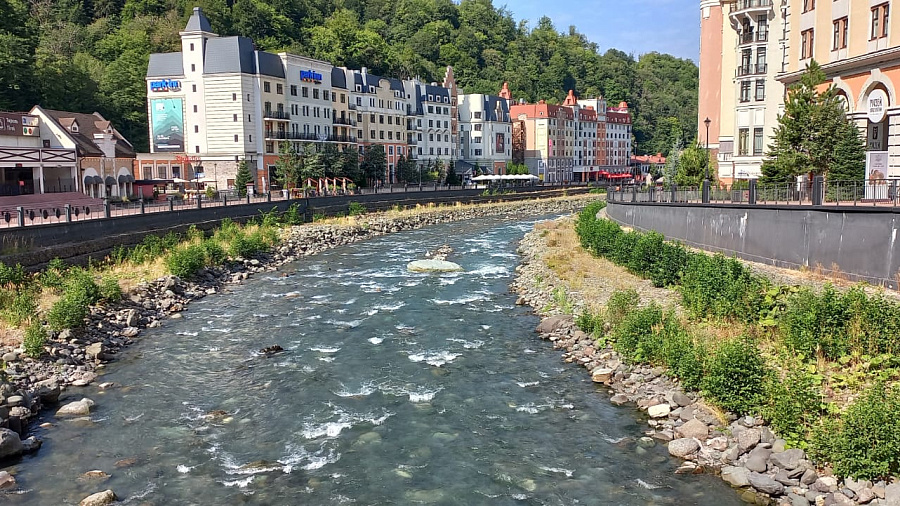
(364, 71)
(504, 91)
(570, 98)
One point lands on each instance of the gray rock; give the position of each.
(865, 496)
(892, 494)
(809, 477)
(10, 357)
(130, 331)
(132, 318)
(554, 323)
(683, 447)
(10, 444)
(757, 460)
(77, 408)
(619, 399)
(94, 350)
(783, 478)
(788, 459)
(681, 399)
(693, 429)
(99, 499)
(797, 500)
(736, 476)
(6, 480)
(659, 411)
(765, 483)
(15, 400)
(31, 444)
(766, 436)
(778, 446)
(748, 439)
(812, 496)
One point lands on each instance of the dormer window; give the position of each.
(74, 127)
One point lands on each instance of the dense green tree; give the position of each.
(288, 164)
(813, 135)
(243, 178)
(373, 163)
(692, 164)
(407, 170)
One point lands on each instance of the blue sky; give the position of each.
(633, 26)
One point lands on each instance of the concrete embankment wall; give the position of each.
(75, 242)
(859, 243)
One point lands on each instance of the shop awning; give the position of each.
(126, 178)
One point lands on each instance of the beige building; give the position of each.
(751, 50)
(742, 50)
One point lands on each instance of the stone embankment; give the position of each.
(76, 358)
(743, 451)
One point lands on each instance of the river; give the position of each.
(394, 388)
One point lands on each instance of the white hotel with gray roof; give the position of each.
(220, 100)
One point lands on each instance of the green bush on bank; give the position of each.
(864, 442)
(850, 327)
(11, 275)
(35, 339)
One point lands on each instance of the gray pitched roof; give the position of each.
(198, 22)
(88, 125)
(270, 64)
(338, 78)
(165, 65)
(491, 105)
(225, 55)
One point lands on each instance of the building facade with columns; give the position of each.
(857, 45)
(752, 50)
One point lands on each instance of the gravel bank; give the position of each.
(744, 452)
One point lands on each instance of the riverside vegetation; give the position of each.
(820, 367)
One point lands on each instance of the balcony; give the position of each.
(751, 37)
(276, 115)
(743, 5)
(292, 136)
(352, 107)
(751, 70)
(343, 121)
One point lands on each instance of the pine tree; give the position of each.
(243, 178)
(849, 155)
(809, 133)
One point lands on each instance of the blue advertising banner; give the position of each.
(167, 121)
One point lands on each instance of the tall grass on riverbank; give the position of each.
(801, 357)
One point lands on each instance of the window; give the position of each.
(760, 89)
(372, 134)
(305, 92)
(478, 115)
(761, 60)
(757, 141)
(325, 95)
(279, 88)
(234, 97)
(235, 118)
(745, 91)
(196, 149)
(806, 44)
(477, 128)
(293, 90)
(316, 93)
(743, 140)
(195, 108)
(840, 34)
(193, 68)
(194, 88)
(879, 21)
(267, 86)
(235, 138)
(196, 129)
(192, 46)
(809, 5)
(342, 98)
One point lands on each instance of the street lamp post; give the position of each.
(706, 179)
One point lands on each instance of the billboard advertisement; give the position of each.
(167, 122)
(876, 175)
(501, 144)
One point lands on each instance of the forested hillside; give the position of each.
(91, 55)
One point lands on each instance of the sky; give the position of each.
(633, 26)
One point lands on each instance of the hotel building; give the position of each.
(485, 131)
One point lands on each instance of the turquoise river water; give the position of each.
(395, 388)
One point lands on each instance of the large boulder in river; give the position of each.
(433, 266)
(554, 323)
(10, 444)
(99, 499)
(77, 408)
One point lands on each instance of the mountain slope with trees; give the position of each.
(91, 55)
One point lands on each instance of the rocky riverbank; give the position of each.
(76, 358)
(743, 451)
